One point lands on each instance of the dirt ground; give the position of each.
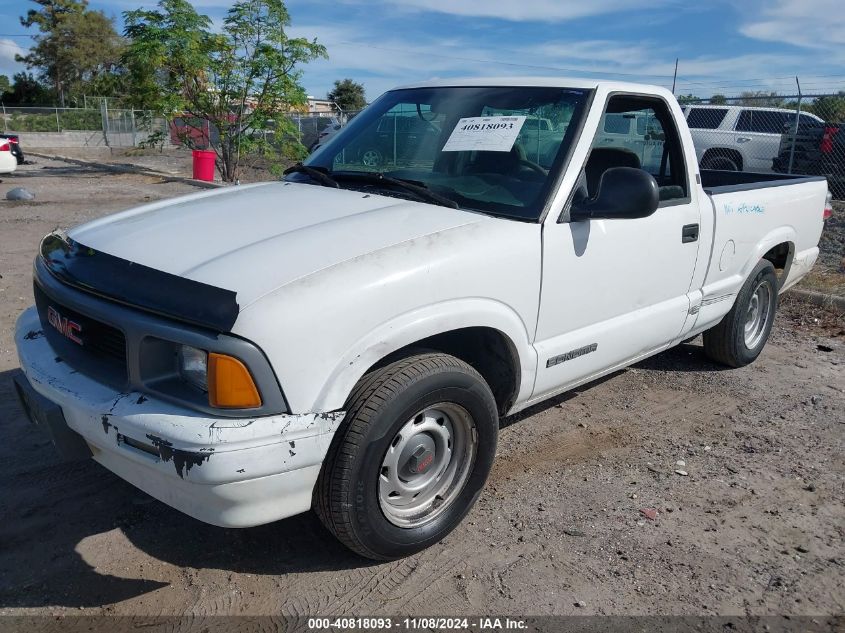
(755, 527)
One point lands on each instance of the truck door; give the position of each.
(616, 290)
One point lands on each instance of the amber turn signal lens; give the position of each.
(230, 385)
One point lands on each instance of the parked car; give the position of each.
(394, 139)
(347, 340)
(15, 146)
(819, 149)
(8, 161)
(739, 138)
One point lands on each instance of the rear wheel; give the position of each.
(740, 337)
(410, 458)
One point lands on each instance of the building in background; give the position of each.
(321, 107)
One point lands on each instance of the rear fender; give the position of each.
(777, 236)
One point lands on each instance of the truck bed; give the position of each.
(715, 182)
(754, 213)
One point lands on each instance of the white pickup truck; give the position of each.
(347, 339)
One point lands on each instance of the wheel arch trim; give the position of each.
(776, 237)
(422, 323)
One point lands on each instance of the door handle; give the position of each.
(689, 233)
(743, 139)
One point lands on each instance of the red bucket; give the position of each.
(204, 164)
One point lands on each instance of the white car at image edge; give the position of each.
(8, 162)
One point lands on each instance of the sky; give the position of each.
(723, 46)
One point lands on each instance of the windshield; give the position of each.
(497, 150)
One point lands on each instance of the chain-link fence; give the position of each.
(314, 130)
(99, 125)
(788, 134)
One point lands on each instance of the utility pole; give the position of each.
(795, 127)
(675, 77)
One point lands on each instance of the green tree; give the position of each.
(44, 55)
(27, 91)
(687, 99)
(92, 50)
(760, 99)
(348, 95)
(718, 99)
(5, 86)
(831, 108)
(242, 81)
(74, 45)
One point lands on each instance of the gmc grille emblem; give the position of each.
(67, 328)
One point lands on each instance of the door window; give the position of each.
(644, 136)
(763, 121)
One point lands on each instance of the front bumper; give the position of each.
(231, 472)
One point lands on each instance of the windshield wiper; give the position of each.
(315, 174)
(379, 178)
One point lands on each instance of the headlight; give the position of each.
(225, 378)
(193, 366)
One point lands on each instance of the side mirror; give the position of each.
(624, 193)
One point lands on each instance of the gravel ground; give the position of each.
(585, 512)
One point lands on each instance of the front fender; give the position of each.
(322, 332)
(410, 327)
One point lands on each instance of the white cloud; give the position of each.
(8, 49)
(528, 10)
(394, 61)
(818, 24)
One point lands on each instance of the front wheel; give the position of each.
(740, 337)
(410, 458)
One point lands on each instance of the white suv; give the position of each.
(739, 138)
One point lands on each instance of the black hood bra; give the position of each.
(136, 285)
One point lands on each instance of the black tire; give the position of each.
(347, 495)
(726, 342)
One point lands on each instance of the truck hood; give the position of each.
(254, 239)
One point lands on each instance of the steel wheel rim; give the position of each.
(757, 315)
(427, 465)
(371, 158)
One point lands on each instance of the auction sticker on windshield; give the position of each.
(485, 134)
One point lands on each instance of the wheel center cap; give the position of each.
(419, 456)
(421, 464)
